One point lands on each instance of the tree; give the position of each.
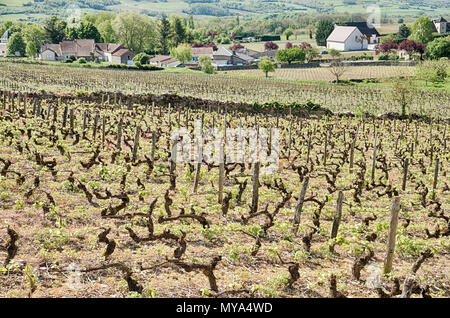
(135, 31)
(337, 68)
(422, 30)
(386, 48)
(311, 53)
(289, 45)
(182, 53)
(290, 55)
(402, 93)
(266, 66)
(334, 53)
(310, 29)
(304, 45)
(433, 71)
(55, 29)
(288, 33)
(324, 29)
(71, 33)
(268, 46)
(141, 59)
(87, 30)
(389, 38)
(206, 65)
(33, 33)
(178, 29)
(103, 22)
(5, 26)
(412, 47)
(165, 34)
(403, 32)
(190, 22)
(16, 45)
(236, 47)
(106, 31)
(31, 49)
(438, 48)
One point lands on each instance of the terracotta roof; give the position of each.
(160, 58)
(78, 47)
(198, 51)
(170, 61)
(52, 47)
(86, 47)
(109, 47)
(122, 52)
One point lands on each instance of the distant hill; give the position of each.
(41, 9)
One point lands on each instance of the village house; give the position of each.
(88, 49)
(347, 38)
(353, 36)
(165, 61)
(4, 43)
(225, 57)
(441, 25)
(197, 52)
(371, 33)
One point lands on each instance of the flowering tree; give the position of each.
(236, 47)
(304, 45)
(200, 44)
(270, 46)
(412, 47)
(386, 48)
(289, 45)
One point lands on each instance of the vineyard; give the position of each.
(324, 74)
(220, 87)
(90, 196)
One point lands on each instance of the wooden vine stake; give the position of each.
(119, 135)
(72, 121)
(83, 132)
(374, 158)
(104, 129)
(94, 129)
(337, 220)
(299, 207)
(222, 160)
(136, 143)
(199, 144)
(435, 179)
(221, 173)
(352, 151)
(64, 119)
(392, 235)
(152, 153)
(405, 173)
(255, 194)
